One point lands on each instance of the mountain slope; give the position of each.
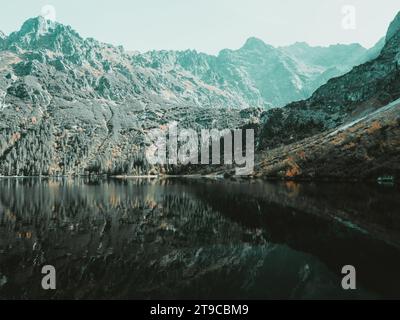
(70, 105)
(394, 28)
(367, 148)
(364, 89)
(100, 70)
(261, 75)
(348, 129)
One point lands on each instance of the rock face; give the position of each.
(70, 105)
(394, 28)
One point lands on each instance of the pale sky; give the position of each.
(210, 25)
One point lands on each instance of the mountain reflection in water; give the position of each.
(195, 238)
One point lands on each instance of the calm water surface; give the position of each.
(194, 238)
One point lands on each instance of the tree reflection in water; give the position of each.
(169, 238)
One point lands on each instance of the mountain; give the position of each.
(366, 149)
(365, 88)
(394, 28)
(99, 70)
(363, 104)
(375, 51)
(326, 56)
(261, 75)
(70, 105)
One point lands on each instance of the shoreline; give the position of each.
(393, 182)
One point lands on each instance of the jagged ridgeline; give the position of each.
(70, 105)
(366, 88)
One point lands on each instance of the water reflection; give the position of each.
(197, 238)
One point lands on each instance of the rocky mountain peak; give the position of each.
(254, 43)
(37, 26)
(39, 33)
(394, 27)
